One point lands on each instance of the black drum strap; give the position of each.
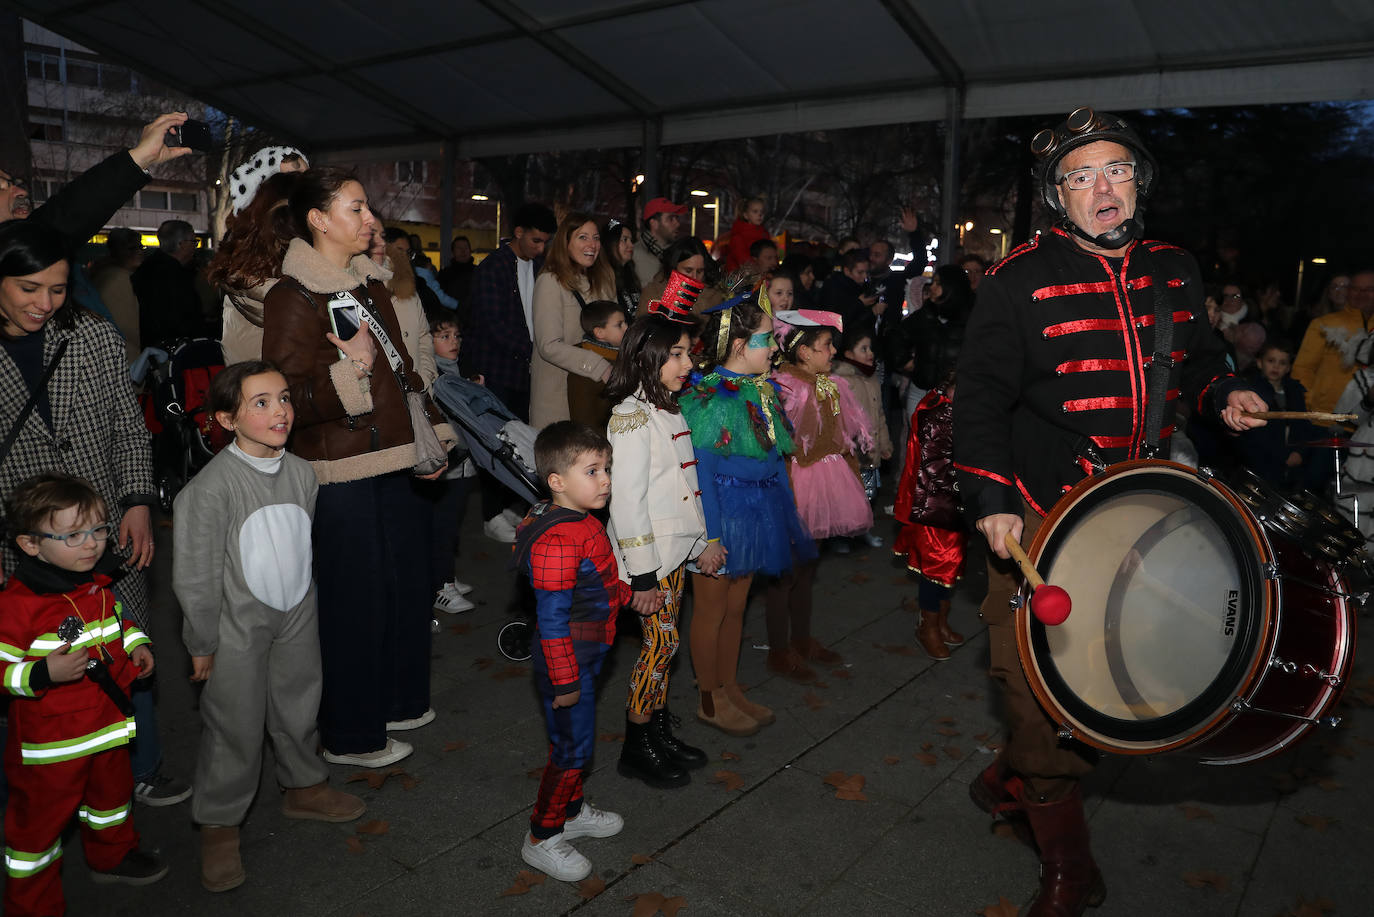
(1162, 364)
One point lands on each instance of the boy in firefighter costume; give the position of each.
(68, 659)
(1087, 338)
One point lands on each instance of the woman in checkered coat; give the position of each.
(86, 421)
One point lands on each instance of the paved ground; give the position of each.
(768, 837)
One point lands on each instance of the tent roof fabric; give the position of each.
(507, 76)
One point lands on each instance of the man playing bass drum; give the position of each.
(1069, 370)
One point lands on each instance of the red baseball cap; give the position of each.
(662, 205)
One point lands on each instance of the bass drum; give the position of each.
(1196, 625)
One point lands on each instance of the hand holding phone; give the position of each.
(192, 134)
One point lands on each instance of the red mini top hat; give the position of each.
(678, 298)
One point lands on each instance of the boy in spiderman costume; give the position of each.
(68, 657)
(564, 551)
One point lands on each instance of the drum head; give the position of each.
(1168, 602)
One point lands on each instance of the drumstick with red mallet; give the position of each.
(1049, 604)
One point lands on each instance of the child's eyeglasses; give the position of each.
(77, 539)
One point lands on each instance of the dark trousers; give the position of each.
(1051, 770)
(446, 500)
(495, 495)
(372, 574)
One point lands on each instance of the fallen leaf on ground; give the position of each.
(640, 859)
(671, 906)
(375, 779)
(971, 695)
(819, 684)
(483, 662)
(896, 649)
(482, 555)
(982, 737)
(524, 881)
(535, 773)
(948, 731)
(376, 826)
(891, 759)
(842, 673)
(408, 782)
(1340, 751)
(590, 887)
(729, 756)
(946, 720)
(927, 746)
(728, 779)
(1329, 784)
(954, 752)
(908, 604)
(510, 671)
(859, 578)
(1284, 784)
(926, 758)
(847, 786)
(1207, 878)
(460, 627)
(1364, 740)
(1003, 908)
(456, 745)
(1004, 829)
(611, 737)
(354, 844)
(647, 904)
(1317, 907)
(1193, 813)
(813, 700)
(1316, 822)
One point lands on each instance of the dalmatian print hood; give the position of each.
(246, 179)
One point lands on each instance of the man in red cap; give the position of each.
(661, 227)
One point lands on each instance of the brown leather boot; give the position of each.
(1070, 882)
(815, 651)
(220, 866)
(725, 716)
(756, 712)
(928, 635)
(321, 803)
(788, 663)
(951, 637)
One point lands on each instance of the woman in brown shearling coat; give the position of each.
(353, 425)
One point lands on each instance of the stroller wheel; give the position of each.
(514, 641)
(166, 493)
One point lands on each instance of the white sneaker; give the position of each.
(873, 541)
(499, 528)
(460, 588)
(512, 517)
(415, 722)
(451, 601)
(394, 750)
(592, 822)
(556, 857)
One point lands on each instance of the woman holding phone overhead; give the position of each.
(330, 326)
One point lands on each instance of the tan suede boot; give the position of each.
(321, 803)
(725, 716)
(220, 866)
(756, 712)
(950, 637)
(928, 635)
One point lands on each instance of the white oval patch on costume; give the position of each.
(274, 545)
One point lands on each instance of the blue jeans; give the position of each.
(145, 751)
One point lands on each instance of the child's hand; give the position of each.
(886, 453)
(143, 658)
(67, 665)
(646, 603)
(1294, 460)
(567, 700)
(202, 666)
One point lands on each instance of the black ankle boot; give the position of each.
(661, 728)
(642, 759)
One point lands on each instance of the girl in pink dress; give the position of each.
(831, 429)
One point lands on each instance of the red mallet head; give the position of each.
(1050, 605)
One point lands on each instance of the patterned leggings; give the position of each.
(649, 680)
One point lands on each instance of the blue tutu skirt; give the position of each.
(760, 527)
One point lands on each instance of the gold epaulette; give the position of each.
(628, 423)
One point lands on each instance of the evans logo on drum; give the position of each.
(1228, 622)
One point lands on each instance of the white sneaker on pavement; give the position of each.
(592, 822)
(556, 857)
(451, 601)
(499, 528)
(415, 722)
(394, 750)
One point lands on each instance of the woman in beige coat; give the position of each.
(573, 275)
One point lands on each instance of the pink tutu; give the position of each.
(830, 498)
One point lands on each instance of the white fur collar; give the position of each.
(319, 276)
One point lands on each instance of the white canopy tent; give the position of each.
(464, 78)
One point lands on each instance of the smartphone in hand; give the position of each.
(193, 134)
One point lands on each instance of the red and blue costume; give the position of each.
(578, 593)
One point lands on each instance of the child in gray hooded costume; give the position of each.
(242, 573)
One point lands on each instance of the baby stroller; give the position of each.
(503, 445)
(185, 435)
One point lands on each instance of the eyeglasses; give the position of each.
(1083, 179)
(77, 539)
(1232, 296)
